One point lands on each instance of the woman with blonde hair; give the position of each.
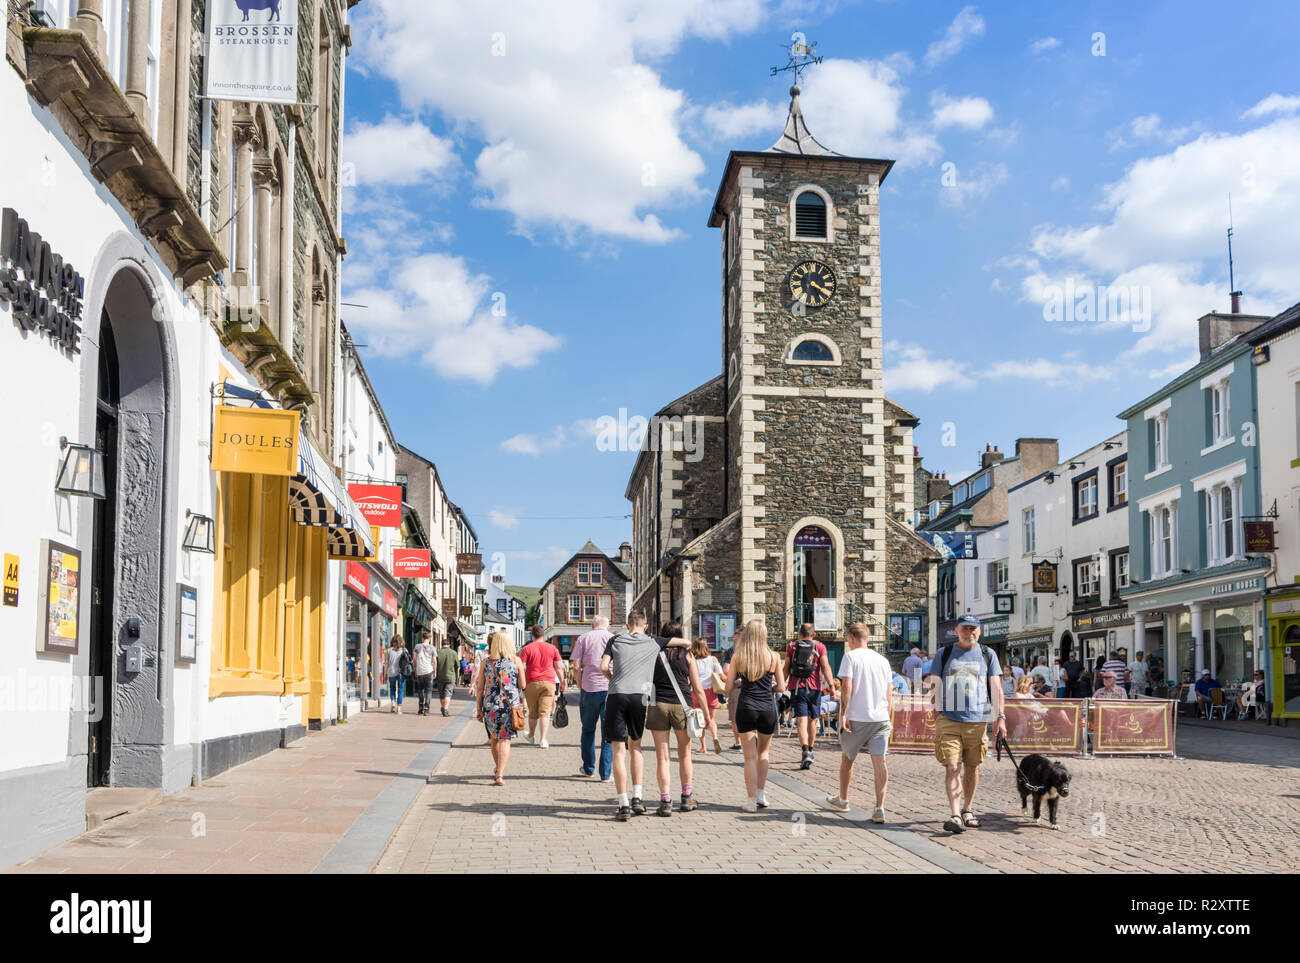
(497, 696)
(1024, 687)
(706, 667)
(751, 676)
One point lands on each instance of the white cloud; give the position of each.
(434, 308)
(1064, 372)
(1044, 43)
(525, 444)
(1148, 128)
(978, 181)
(1163, 226)
(552, 554)
(917, 371)
(395, 153)
(1274, 104)
(580, 134)
(503, 518)
(733, 123)
(965, 26)
(1062, 183)
(855, 107)
(971, 113)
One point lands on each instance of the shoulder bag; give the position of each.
(518, 718)
(561, 711)
(694, 717)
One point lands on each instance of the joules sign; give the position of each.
(43, 290)
(381, 504)
(260, 441)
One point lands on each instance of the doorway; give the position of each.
(99, 745)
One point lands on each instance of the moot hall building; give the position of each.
(791, 494)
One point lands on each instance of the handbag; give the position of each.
(561, 711)
(718, 683)
(405, 664)
(694, 717)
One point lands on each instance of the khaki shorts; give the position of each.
(540, 698)
(955, 742)
(663, 716)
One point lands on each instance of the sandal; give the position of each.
(497, 780)
(970, 820)
(954, 825)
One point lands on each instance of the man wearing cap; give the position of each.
(1203, 688)
(967, 682)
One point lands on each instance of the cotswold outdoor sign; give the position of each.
(252, 51)
(43, 291)
(381, 504)
(258, 441)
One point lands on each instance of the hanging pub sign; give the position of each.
(381, 504)
(953, 544)
(258, 441)
(469, 563)
(411, 562)
(44, 291)
(252, 51)
(1259, 537)
(449, 609)
(466, 611)
(1044, 576)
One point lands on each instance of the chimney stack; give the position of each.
(991, 456)
(1236, 302)
(625, 552)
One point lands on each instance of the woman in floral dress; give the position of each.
(497, 692)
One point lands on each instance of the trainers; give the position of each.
(736, 748)
(544, 744)
(838, 804)
(638, 807)
(608, 779)
(806, 761)
(689, 805)
(878, 816)
(665, 808)
(583, 773)
(623, 814)
(749, 806)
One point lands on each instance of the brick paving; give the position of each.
(546, 818)
(279, 813)
(1231, 804)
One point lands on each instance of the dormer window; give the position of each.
(810, 216)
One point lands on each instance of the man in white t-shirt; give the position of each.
(866, 710)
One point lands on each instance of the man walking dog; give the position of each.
(967, 680)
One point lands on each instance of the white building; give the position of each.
(1072, 521)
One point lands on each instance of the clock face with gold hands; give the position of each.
(812, 283)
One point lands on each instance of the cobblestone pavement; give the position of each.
(1232, 803)
(548, 818)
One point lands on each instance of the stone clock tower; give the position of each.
(812, 463)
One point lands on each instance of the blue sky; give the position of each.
(528, 186)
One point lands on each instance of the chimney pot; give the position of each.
(1236, 302)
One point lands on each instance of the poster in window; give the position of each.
(60, 629)
(826, 615)
(187, 623)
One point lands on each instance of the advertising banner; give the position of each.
(953, 544)
(358, 579)
(411, 562)
(252, 51)
(1124, 726)
(257, 441)
(390, 603)
(1047, 726)
(913, 721)
(381, 504)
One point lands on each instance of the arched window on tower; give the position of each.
(810, 215)
(811, 351)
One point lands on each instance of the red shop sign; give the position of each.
(358, 578)
(411, 562)
(390, 603)
(381, 504)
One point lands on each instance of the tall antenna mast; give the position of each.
(1233, 293)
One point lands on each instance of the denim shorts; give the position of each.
(806, 702)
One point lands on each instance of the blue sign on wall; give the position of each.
(953, 544)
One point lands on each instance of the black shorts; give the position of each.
(624, 717)
(750, 720)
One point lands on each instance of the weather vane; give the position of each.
(802, 56)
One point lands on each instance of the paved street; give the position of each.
(404, 794)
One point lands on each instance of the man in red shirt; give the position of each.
(544, 665)
(806, 666)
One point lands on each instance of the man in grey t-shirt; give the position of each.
(629, 664)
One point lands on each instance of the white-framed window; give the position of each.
(584, 573)
(1220, 418)
(1227, 523)
(961, 493)
(588, 608)
(1166, 544)
(1160, 440)
(1002, 576)
(597, 573)
(1222, 516)
(1119, 484)
(1085, 494)
(1121, 571)
(1027, 527)
(1030, 607)
(1086, 580)
(982, 483)
(975, 583)
(575, 608)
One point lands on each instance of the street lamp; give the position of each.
(82, 471)
(199, 534)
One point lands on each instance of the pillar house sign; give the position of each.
(43, 290)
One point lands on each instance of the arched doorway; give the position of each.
(131, 585)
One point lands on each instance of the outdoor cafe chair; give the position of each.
(1217, 703)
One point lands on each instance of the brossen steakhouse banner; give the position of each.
(252, 51)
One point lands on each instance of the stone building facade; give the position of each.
(773, 484)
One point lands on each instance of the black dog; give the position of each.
(1039, 777)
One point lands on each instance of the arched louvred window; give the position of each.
(810, 350)
(809, 215)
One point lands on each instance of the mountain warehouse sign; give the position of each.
(43, 291)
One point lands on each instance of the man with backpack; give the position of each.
(967, 681)
(806, 666)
